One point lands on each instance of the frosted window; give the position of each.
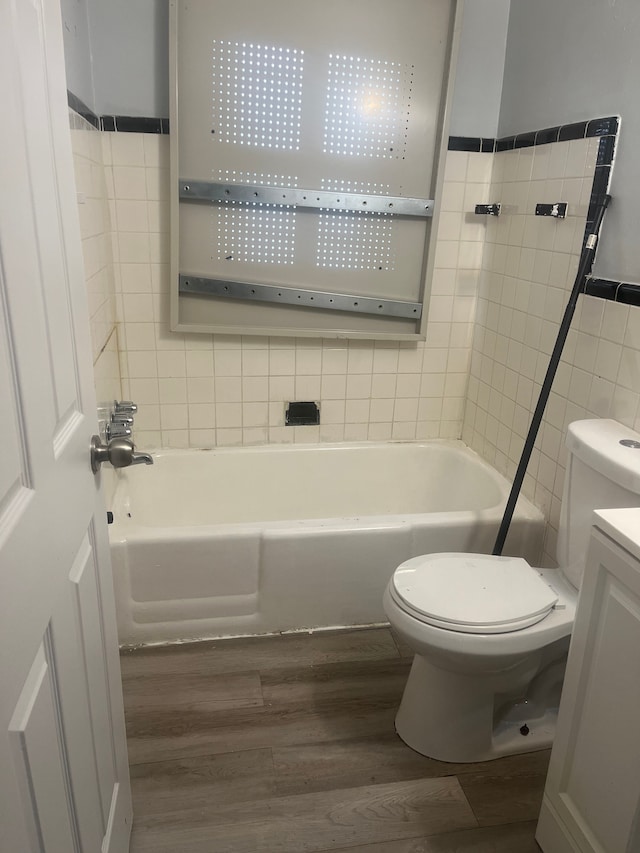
(254, 233)
(256, 94)
(355, 240)
(368, 105)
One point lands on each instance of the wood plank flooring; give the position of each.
(286, 745)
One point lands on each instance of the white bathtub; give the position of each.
(258, 540)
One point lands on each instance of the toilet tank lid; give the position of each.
(597, 443)
(473, 589)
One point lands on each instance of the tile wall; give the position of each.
(97, 250)
(499, 291)
(203, 390)
(528, 269)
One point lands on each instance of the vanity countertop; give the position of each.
(622, 525)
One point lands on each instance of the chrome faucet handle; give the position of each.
(117, 430)
(118, 451)
(124, 407)
(121, 418)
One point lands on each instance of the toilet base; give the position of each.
(450, 717)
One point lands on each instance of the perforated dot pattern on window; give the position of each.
(256, 94)
(355, 240)
(368, 107)
(254, 233)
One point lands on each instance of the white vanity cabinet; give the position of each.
(592, 795)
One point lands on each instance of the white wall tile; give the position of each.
(255, 414)
(359, 386)
(255, 389)
(357, 411)
(229, 415)
(282, 388)
(332, 411)
(199, 363)
(307, 388)
(228, 389)
(127, 149)
(172, 364)
(202, 416)
(599, 375)
(202, 438)
(381, 410)
(172, 391)
(357, 379)
(129, 182)
(281, 362)
(228, 362)
(201, 390)
(255, 362)
(333, 387)
(308, 361)
(131, 215)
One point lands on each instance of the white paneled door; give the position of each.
(64, 784)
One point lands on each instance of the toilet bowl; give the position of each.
(491, 634)
(463, 683)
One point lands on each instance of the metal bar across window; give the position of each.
(193, 190)
(295, 296)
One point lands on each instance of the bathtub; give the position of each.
(241, 541)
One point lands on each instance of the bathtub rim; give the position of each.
(526, 509)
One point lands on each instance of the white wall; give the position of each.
(576, 59)
(478, 86)
(129, 42)
(77, 50)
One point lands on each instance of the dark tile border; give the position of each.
(82, 109)
(606, 150)
(507, 143)
(120, 124)
(615, 291)
(567, 132)
(606, 128)
(603, 126)
(471, 143)
(546, 135)
(134, 124)
(525, 140)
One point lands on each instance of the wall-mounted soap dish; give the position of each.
(302, 414)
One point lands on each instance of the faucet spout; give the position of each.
(141, 459)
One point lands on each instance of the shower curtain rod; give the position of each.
(584, 268)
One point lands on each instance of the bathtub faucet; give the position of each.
(118, 451)
(141, 458)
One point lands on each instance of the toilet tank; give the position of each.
(601, 473)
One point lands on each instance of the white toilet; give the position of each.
(491, 634)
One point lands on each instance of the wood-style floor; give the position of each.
(286, 744)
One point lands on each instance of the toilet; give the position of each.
(491, 634)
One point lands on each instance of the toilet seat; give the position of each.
(472, 593)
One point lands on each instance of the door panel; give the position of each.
(49, 228)
(88, 614)
(38, 752)
(63, 762)
(13, 474)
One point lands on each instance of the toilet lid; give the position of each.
(473, 593)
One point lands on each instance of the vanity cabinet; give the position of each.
(592, 795)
